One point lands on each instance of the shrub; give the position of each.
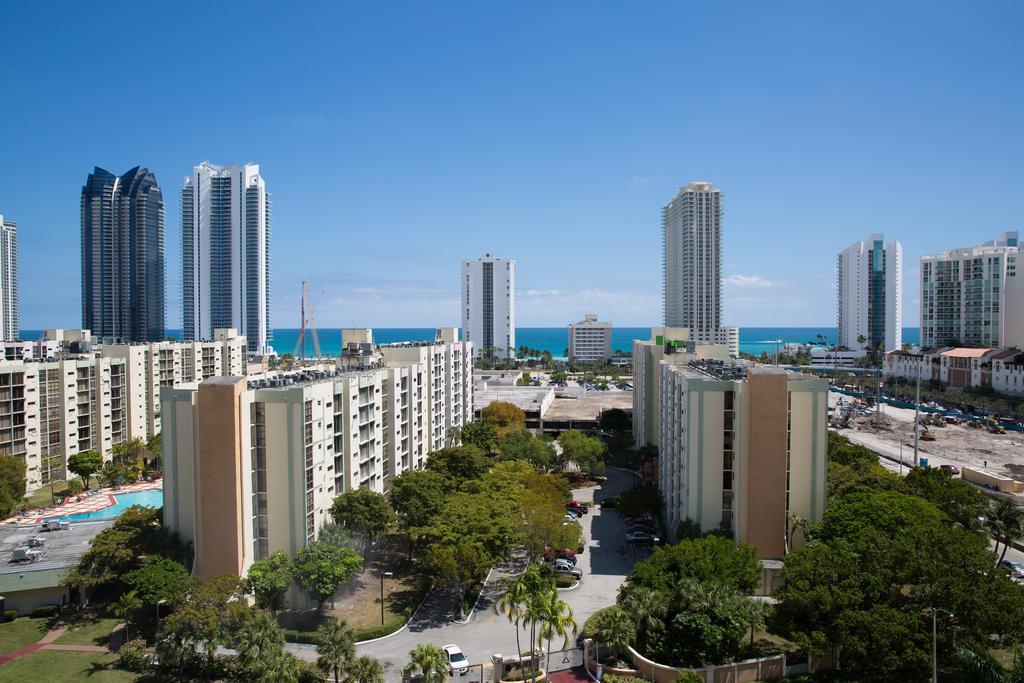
(75, 486)
(8, 615)
(589, 629)
(293, 636)
(45, 611)
(360, 634)
(689, 677)
(133, 656)
(564, 581)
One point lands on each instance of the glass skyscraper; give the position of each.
(123, 256)
(225, 241)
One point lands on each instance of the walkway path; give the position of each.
(50, 636)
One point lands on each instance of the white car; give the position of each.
(456, 660)
(639, 537)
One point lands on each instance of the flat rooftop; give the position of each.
(62, 548)
(528, 399)
(589, 404)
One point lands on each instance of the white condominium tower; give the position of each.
(225, 241)
(692, 249)
(590, 339)
(964, 294)
(869, 295)
(9, 296)
(489, 305)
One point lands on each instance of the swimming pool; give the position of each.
(152, 498)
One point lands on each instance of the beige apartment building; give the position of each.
(669, 345)
(590, 339)
(50, 410)
(742, 449)
(252, 465)
(153, 365)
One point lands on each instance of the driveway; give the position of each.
(605, 563)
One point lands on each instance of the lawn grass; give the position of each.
(45, 666)
(21, 632)
(89, 630)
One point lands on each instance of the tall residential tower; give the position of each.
(123, 256)
(692, 250)
(489, 305)
(869, 295)
(967, 295)
(10, 301)
(225, 261)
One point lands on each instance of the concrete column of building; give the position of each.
(766, 461)
(219, 478)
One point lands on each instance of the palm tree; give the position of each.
(511, 604)
(1006, 524)
(259, 640)
(335, 646)
(364, 669)
(280, 667)
(430, 661)
(556, 620)
(124, 606)
(616, 629)
(648, 609)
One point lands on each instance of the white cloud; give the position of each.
(750, 282)
(639, 181)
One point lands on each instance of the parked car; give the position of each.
(639, 537)
(576, 508)
(561, 553)
(569, 517)
(456, 660)
(566, 568)
(640, 525)
(952, 469)
(1016, 569)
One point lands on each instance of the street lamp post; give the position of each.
(935, 642)
(158, 603)
(388, 575)
(917, 410)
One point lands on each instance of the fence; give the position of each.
(510, 669)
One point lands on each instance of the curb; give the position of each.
(481, 594)
(570, 588)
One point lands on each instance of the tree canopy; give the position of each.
(480, 434)
(85, 464)
(587, 452)
(268, 580)
(711, 559)
(504, 417)
(12, 484)
(460, 463)
(159, 579)
(364, 512)
(320, 569)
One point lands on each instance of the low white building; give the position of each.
(590, 339)
(1001, 370)
(830, 358)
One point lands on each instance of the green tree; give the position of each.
(459, 463)
(648, 608)
(125, 606)
(429, 661)
(960, 501)
(158, 579)
(712, 559)
(335, 648)
(12, 484)
(615, 629)
(364, 512)
(259, 643)
(417, 497)
(615, 420)
(461, 565)
(364, 669)
(320, 569)
(479, 434)
(512, 603)
(268, 580)
(85, 464)
(137, 533)
(1005, 522)
(207, 618)
(587, 452)
(522, 445)
(335, 534)
(505, 417)
(556, 620)
(707, 623)
(155, 445)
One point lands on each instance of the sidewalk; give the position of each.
(50, 636)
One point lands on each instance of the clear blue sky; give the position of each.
(399, 138)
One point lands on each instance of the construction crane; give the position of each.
(308, 323)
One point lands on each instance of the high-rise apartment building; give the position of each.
(123, 256)
(590, 339)
(742, 450)
(489, 305)
(225, 242)
(967, 294)
(10, 298)
(692, 250)
(252, 465)
(869, 295)
(75, 397)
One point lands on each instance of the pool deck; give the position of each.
(83, 502)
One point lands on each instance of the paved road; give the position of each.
(605, 564)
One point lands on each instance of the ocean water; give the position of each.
(753, 340)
